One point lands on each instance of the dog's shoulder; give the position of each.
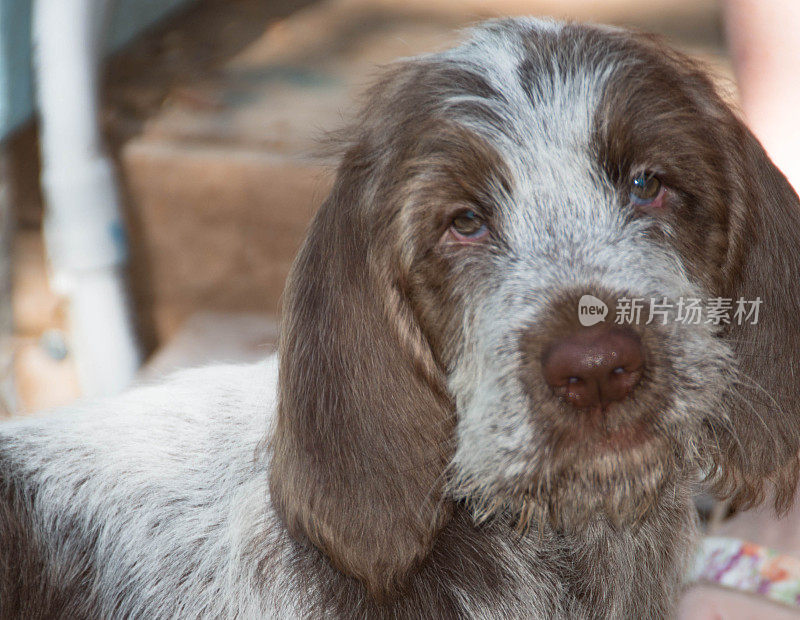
(120, 502)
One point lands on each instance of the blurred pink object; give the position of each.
(765, 47)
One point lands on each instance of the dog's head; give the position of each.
(556, 276)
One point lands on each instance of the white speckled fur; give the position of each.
(174, 482)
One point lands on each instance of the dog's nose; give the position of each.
(595, 367)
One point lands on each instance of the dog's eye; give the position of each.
(646, 189)
(468, 225)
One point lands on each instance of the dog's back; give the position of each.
(155, 504)
(117, 508)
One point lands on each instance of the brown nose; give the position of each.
(595, 367)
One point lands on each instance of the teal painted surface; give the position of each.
(129, 18)
(16, 89)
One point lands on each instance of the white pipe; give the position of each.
(84, 231)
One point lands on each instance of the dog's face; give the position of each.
(433, 344)
(585, 170)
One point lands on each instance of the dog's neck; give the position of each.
(635, 572)
(480, 571)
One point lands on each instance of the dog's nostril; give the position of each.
(595, 367)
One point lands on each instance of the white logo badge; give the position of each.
(591, 310)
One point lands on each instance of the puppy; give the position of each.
(444, 434)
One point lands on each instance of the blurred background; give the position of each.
(191, 125)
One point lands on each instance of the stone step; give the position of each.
(215, 228)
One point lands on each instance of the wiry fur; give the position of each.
(408, 459)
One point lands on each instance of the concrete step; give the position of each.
(215, 228)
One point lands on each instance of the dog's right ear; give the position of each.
(364, 425)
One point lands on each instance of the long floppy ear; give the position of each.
(752, 446)
(753, 450)
(365, 425)
(758, 448)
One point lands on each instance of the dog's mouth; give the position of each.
(598, 431)
(614, 475)
(620, 483)
(624, 439)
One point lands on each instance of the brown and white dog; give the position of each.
(442, 436)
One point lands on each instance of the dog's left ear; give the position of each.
(752, 450)
(759, 443)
